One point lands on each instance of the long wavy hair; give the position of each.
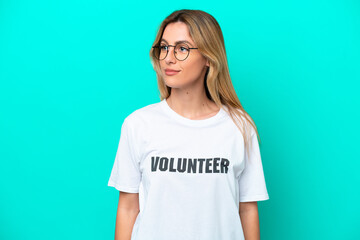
(205, 31)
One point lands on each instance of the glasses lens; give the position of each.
(159, 51)
(162, 51)
(181, 51)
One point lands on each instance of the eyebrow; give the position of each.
(180, 41)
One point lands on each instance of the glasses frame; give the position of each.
(167, 51)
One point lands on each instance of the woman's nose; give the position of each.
(170, 57)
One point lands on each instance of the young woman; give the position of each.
(196, 151)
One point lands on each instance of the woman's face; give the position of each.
(192, 69)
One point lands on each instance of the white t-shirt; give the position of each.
(194, 174)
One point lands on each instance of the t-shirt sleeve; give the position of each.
(125, 174)
(252, 186)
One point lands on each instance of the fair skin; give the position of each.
(188, 98)
(250, 220)
(128, 210)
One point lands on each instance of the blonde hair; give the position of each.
(207, 35)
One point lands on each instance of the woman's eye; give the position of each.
(183, 49)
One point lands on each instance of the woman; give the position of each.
(196, 151)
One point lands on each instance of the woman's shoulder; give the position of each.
(147, 113)
(242, 118)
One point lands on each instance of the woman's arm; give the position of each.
(128, 209)
(250, 220)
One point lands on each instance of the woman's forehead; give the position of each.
(176, 32)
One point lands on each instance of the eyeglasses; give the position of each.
(181, 51)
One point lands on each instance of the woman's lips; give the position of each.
(171, 72)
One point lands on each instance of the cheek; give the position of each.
(193, 68)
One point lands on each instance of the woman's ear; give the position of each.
(207, 63)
